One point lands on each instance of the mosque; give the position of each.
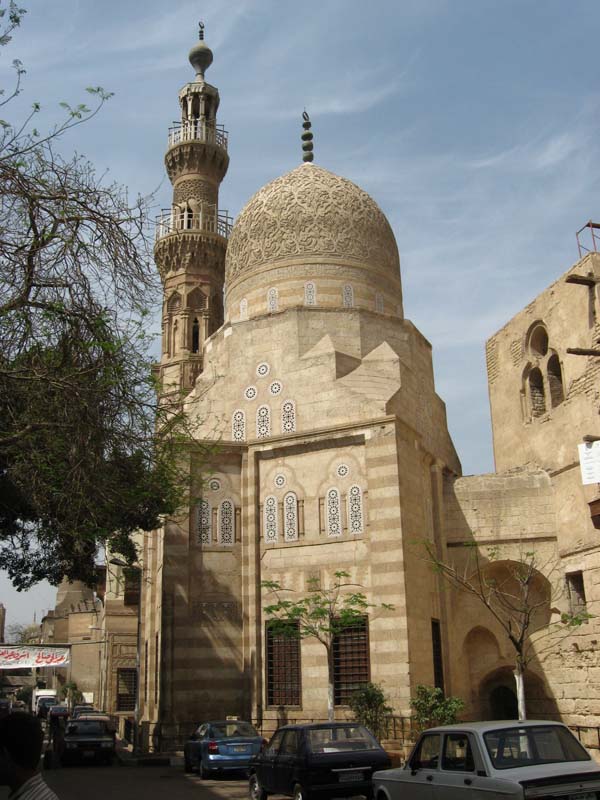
(326, 448)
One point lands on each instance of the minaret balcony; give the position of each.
(198, 131)
(208, 220)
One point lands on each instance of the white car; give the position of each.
(486, 760)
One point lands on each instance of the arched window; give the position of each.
(195, 335)
(379, 303)
(270, 515)
(204, 522)
(238, 426)
(244, 309)
(263, 422)
(288, 416)
(290, 517)
(348, 296)
(226, 533)
(333, 512)
(555, 381)
(355, 510)
(310, 293)
(174, 303)
(536, 393)
(537, 341)
(272, 298)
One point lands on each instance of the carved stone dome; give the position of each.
(310, 214)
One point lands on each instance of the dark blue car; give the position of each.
(221, 746)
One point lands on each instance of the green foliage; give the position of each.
(432, 708)
(24, 694)
(88, 454)
(70, 693)
(370, 708)
(322, 613)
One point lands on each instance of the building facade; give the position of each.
(325, 447)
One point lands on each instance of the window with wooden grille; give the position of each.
(126, 689)
(351, 662)
(283, 669)
(438, 663)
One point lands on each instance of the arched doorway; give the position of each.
(503, 703)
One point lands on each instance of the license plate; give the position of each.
(348, 777)
(240, 749)
(89, 753)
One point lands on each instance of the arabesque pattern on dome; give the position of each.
(310, 212)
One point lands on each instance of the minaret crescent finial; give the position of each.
(200, 55)
(307, 139)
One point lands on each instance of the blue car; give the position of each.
(221, 746)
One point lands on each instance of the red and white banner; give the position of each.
(17, 656)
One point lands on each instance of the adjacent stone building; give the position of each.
(325, 447)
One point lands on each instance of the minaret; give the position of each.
(191, 236)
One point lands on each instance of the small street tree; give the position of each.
(323, 614)
(516, 591)
(431, 707)
(370, 708)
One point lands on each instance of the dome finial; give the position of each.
(201, 56)
(307, 139)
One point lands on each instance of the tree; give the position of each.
(323, 614)
(370, 708)
(432, 708)
(518, 594)
(81, 465)
(23, 634)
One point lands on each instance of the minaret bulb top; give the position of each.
(201, 56)
(307, 139)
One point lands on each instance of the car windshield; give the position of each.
(340, 740)
(539, 744)
(87, 728)
(232, 730)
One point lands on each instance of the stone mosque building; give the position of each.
(328, 449)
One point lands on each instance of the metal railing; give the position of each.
(198, 131)
(207, 220)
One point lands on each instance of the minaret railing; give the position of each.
(208, 220)
(198, 131)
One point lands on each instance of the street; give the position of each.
(150, 783)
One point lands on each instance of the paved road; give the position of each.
(130, 783)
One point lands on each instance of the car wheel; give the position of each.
(300, 793)
(255, 790)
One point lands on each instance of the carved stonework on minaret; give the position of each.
(191, 235)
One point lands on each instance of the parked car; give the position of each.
(80, 709)
(44, 703)
(532, 759)
(89, 738)
(221, 745)
(333, 759)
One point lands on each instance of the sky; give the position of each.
(472, 123)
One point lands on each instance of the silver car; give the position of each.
(485, 760)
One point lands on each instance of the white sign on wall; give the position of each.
(589, 461)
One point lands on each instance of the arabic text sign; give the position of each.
(589, 461)
(17, 656)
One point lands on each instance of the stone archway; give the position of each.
(503, 703)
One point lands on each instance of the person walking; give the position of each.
(21, 742)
